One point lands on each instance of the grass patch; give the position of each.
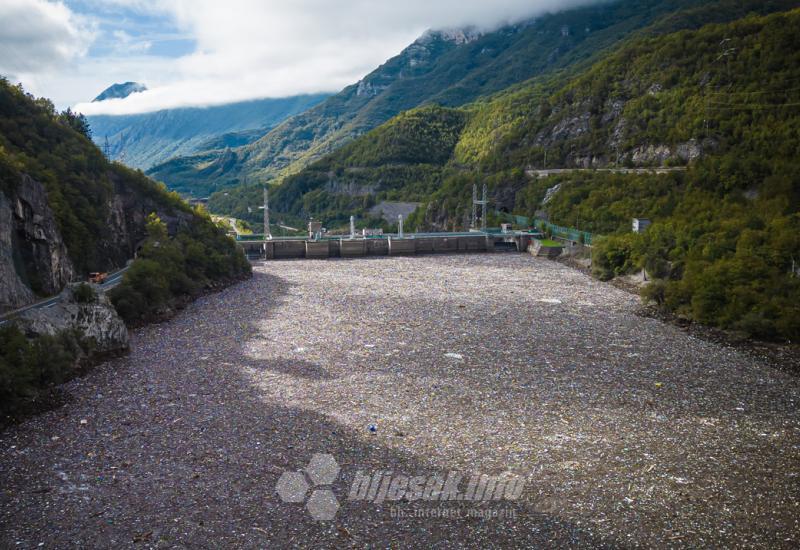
(551, 243)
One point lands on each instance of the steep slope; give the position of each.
(66, 211)
(404, 156)
(602, 115)
(448, 68)
(142, 140)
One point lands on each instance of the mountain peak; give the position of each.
(119, 91)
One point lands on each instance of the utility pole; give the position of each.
(267, 234)
(484, 202)
(475, 204)
(107, 149)
(474, 223)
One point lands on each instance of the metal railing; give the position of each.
(560, 231)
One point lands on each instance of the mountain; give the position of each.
(120, 91)
(492, 124)
(720, 100)
(449, 68)
(142, 140)
(66, 211)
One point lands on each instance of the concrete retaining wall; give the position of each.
(335, 248)
(399, 247)
(318, 249)
(289, 249)
(536, 249)
(377, 247)
(446, 244)
(352, 248)
(474, 244)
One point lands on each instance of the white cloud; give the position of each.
(37, 35)
(127, 44)
(269, 48)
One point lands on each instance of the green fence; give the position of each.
(569, 233)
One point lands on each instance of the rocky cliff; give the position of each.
(33, 257)
(93, 317)
(34, 260)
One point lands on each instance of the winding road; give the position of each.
(113, 280)
(545, 172)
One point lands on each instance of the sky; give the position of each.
(206, 52)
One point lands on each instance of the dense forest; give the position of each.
(55, 149)
(169, 270)
(724, 244)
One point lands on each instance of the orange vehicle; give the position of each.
(97, 277)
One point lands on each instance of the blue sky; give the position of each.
(205, 52)
(154, 33)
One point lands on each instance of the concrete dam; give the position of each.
(321, 247)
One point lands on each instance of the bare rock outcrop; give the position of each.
(33, 257)
(95, 319)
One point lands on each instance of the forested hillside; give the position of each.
(723, 100)
(145, 139)
(66, 211)
(449, 68)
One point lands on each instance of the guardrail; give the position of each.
(569, 233)
(254, 237)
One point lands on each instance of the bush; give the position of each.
(169, 269)
(655, 292)
(30, 367)
(613, 256)
(83, 294)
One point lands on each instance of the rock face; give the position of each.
(96, 320)
(126, 221)
(34, 261)
(33, 257)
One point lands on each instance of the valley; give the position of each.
(627, 431)
(323, 278)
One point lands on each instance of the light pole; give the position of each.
(267, 233)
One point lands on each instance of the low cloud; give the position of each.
(247, 49)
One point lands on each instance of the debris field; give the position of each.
(627, 431)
